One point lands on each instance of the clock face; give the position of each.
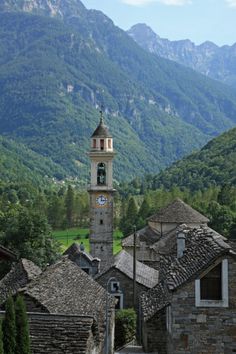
(101, 200)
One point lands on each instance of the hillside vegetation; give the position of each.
(56, 72)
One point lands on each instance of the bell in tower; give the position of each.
(101, 193)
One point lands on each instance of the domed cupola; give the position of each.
(101, 139)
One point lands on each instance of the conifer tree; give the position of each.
(22, 328)
(9, 328)
(1, 339)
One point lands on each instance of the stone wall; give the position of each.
(154, 334)
(203, 330)
(126, 286)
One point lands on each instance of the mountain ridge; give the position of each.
(156, 110)
(217, 62)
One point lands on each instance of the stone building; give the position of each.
(84, 260)
(101, 193)
(158, 237)
(21, 273)
(192, 310)
(67, 311)
(120, 270)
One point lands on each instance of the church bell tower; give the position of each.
(101, 193)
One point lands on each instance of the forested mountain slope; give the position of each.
(213, 165)
(56, 72)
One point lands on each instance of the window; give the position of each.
(210, 284)
(212, 289)
(109, 143)
(119, 303)
(94, 143)
(115, 286)
(102, 144)
(101, 222)
(101, 173)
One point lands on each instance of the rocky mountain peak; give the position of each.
(52, 8)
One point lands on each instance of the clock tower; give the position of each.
(101, 193)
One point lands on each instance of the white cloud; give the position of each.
(165, 2)
(231, 3)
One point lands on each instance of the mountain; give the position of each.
(216, 62)
(59, 62)
(213, 165)
(20, 164)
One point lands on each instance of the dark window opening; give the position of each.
(94, 143)
(102, 144)
(211, 284)
(101, 173)
(101, 222)
(118, 303)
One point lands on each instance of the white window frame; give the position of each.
(224, 287)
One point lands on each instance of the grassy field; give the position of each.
(69, 236)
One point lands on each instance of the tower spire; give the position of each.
(101, 115)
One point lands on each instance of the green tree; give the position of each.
(69, 204)
(9, 328)
(1, 338)
(22, 327)
(130, 219)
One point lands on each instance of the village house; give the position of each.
(158, 237)
(67, 308)
(120, 270)
(19, 276)
(84, 260)
(192, 310)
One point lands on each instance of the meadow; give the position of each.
(69, 236)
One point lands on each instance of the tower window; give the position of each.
(101, 173)
(109, 143)
(94, 143)
(101, 222)
(102, 144)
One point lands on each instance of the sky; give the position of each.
(197, 20)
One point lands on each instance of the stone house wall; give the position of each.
(203, 330)
(126, 286)
(154, 334)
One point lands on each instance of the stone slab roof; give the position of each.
(178, 212)
(20, 274)
(203, 248)
(73, 250)
(123, 261)
(7, 254)
(147, 235)
(63, 288)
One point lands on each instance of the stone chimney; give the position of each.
(181, 236)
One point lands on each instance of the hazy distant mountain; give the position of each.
(209, 59)
(59, 62)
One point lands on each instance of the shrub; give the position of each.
(22, 328)
(9, 328)
(1, 342)
(125, 327)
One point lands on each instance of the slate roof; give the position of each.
(74, 250)
(147, 235)
(7, 254)
(64, 288)
(178, 212)
(203, 248)
(101, 130)
(123, 261)
(21, 274)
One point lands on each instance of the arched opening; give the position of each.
(101, 173)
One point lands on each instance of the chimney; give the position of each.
(181, 236)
